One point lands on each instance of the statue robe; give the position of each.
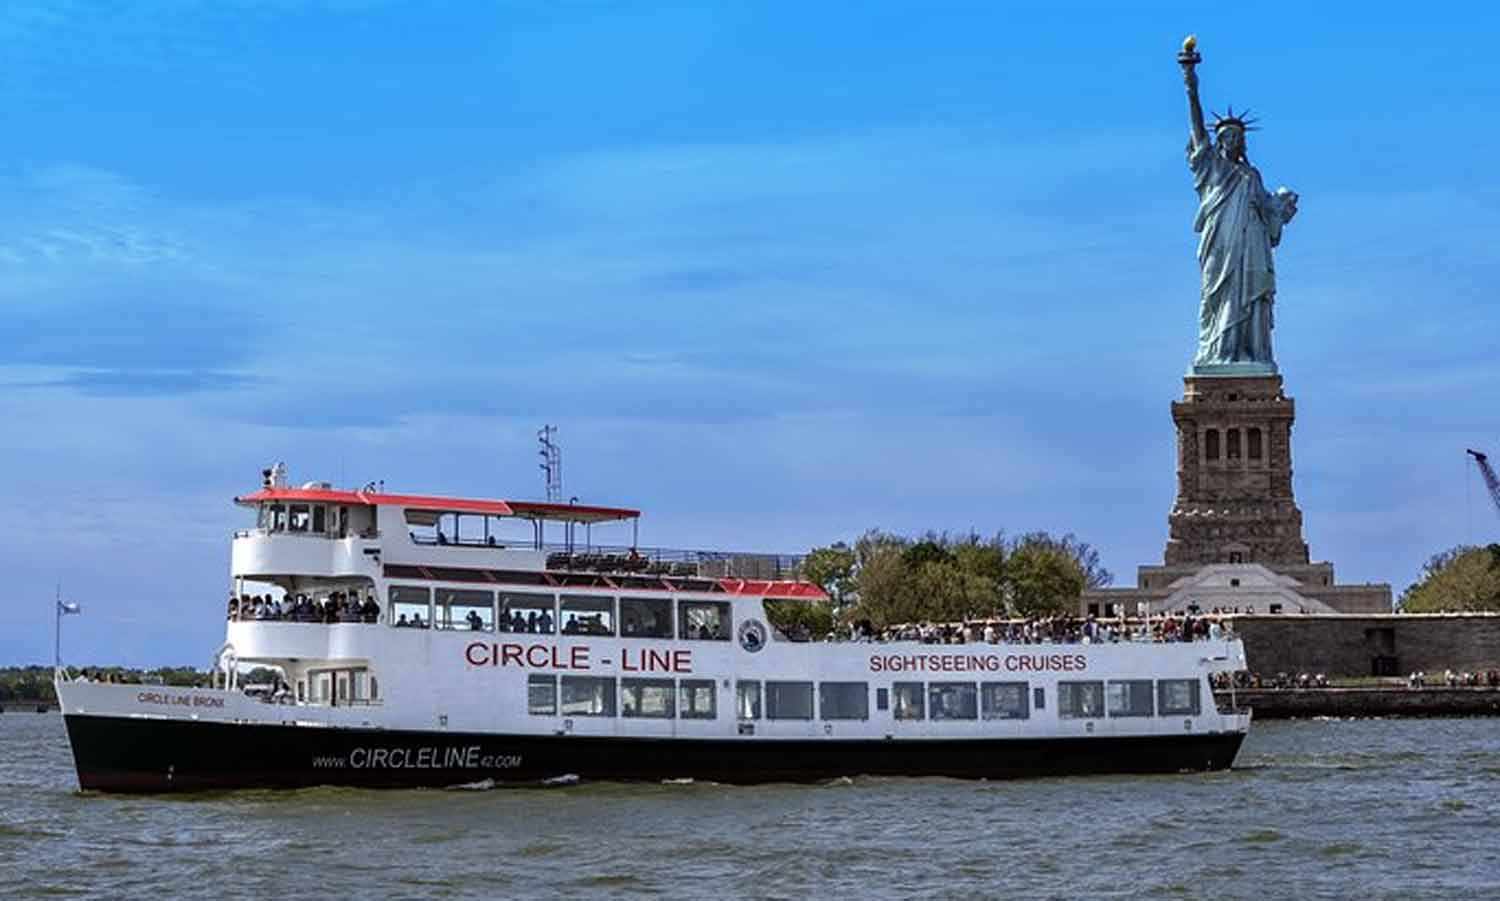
(1238, 222)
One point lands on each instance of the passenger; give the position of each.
(531, 621)
(371, 609)
(416, 621)
(402, 623)
(476, 624)
(544, 623)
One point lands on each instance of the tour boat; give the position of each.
(426, 641)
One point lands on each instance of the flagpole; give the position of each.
(57, 630)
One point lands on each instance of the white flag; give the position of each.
(68, 607)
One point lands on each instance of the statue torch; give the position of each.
(1189, 56)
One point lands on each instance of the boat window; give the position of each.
(1130, 697)
(320, 519)
(359, 685)
(410, 606)
(648, 698)
(747, 700)
(320, 686)
(704, 620)
(646, 617)
(953, 700)
(467, 610)
(697, 699)
(911, 700)
(1177, 697)
(587, 615)
(520, 612)
(1039, 698)
(273, 517)
(1004, 700)
(541, 694)
(882, 699)
(300, 518)
(588, 696)
(844, 700)
(422, 525)
(1080, 700)
(789, 700)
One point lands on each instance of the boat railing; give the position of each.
(655, 561)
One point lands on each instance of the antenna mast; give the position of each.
(551, 464)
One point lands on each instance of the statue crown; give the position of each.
(1244, 122)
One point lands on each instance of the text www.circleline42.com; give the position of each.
(468, 758)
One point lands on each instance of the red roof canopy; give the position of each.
(522, 509)
(781, 588)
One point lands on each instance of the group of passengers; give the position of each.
(537, 622)
(1042, 630)
(586, 625)
(337, 607)
(1451, 679)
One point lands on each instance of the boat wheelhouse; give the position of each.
(379, 639)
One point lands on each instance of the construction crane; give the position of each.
(1490, 481)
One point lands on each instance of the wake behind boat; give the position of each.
(409, 640)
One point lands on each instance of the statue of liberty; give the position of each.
(1239, 223)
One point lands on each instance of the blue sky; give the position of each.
(779, 272)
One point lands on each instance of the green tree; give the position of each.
(980, 556)
(883, 586)
(1080, 552)
(1043, 580)
(1462, 578)
(832, 568)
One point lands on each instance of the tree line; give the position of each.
(1459, 580)
(887, 579)
(33, 684)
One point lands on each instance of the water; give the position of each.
(1323, 809)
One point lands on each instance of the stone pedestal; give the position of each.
(1234, 475)
(1235, 532)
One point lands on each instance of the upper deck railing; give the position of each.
(596, 558)
(656, 561)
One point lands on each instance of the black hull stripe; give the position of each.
(124, 754)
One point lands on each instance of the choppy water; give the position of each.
(1373, 809)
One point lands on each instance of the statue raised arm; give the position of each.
(1189, 60)
(1238, 224)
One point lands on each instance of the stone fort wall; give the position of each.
(1390, 645)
